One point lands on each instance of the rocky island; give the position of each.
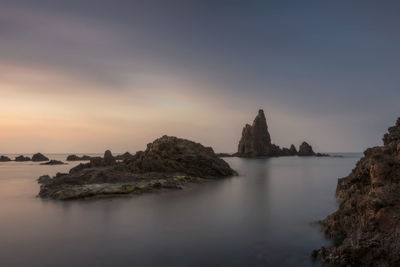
(256, 142)
(4, 159)
(366, 228)
(167, 163)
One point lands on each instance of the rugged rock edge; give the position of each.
(366, 228)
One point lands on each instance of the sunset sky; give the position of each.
(89, 75)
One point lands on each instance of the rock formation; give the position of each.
(39, 157)
(22, 158)
(366, 228)
(305, 150)
(4, 159)
(124, 156)
(168, 162)
(77, 158)
(256, 142)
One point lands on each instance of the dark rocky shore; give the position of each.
(256, 142)
(167, 163)
(366, 228)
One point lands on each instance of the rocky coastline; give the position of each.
(167, 163)
(366, 227)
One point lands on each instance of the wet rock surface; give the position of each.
(366, 228)
(167, 163)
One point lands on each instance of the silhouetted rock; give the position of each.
(4, 159)
(256, 140)
(305, 150)
(366, 228)
(293, 150)
(124, 156)
(77, 158)
(167, 163)
(22, 158)
(53, 162)
(108, 158)
(39, 157)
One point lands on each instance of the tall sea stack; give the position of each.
(256, 140)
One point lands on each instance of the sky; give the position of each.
(89, 75)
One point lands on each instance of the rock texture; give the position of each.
(4, 159)
(366, 228)
(22, 158)
(124, 156)
(168, 162)
(306, 150)
(39, 157)
(256, 140)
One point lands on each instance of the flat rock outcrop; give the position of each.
(77, 158)
(22, 158)
(4, 159)
(53, 162)
(39, 157)
(366, 227)
(167, 163)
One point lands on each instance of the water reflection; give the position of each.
(258, 218)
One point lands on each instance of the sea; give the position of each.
(265, 216)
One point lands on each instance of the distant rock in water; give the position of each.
(22, 158)
(4, 159)
(167, 163)
(366, 228)
(53, 162)
(256, 140)
(306, 150)
(76, 158)
(39, 157)
(292, 150)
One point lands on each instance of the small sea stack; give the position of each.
(39, 157)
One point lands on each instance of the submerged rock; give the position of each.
(168, 162)
(39, 157)
(22, 158)
(366, 228)
(4, 159)
(53, 162)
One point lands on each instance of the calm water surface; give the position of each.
(259, 218)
